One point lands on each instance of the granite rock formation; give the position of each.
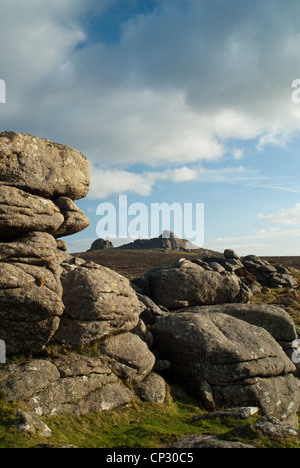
(49, 297)
(230, 362)
(37, 177)
(41, 167)
(227, 351)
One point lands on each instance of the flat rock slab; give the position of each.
(233, 413)
(72, 384)
(273, 318)
(42, 167)
(21, 213)
(30, 292)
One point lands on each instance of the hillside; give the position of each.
(133, 263)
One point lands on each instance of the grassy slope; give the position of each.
(149, 425)
(139, 425)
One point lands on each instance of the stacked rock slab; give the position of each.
(39, 182)
(265, 273)
(49, 297)
(30, 292)
(101, 307)
(71, 384)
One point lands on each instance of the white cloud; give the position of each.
(184, 174)
(238, 153)
(106, 182)
(289, 217)
(261, 242)
(169, 97)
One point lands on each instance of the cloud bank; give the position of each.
(179, 84)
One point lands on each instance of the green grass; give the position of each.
(139, 425)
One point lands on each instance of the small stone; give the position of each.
(244, 412)
(30, 423)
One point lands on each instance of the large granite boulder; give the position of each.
(42, 167)
(188, 284)
(98, 302)
(30, 292)
(239, 363)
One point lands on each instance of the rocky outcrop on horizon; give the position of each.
(101, 244)
(166, 241)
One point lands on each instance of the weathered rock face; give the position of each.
(98, 302)
(270, 317)
(21, 212)
(47, 296)
(41, 167)
(39, 180)
(74, 218)
(249, 268)
(188, 284)
(151, 312)
(31, 424)
(241, 363)
(30, 292)
(152, 388)
(70, 384)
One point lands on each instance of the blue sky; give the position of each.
(175, 101)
